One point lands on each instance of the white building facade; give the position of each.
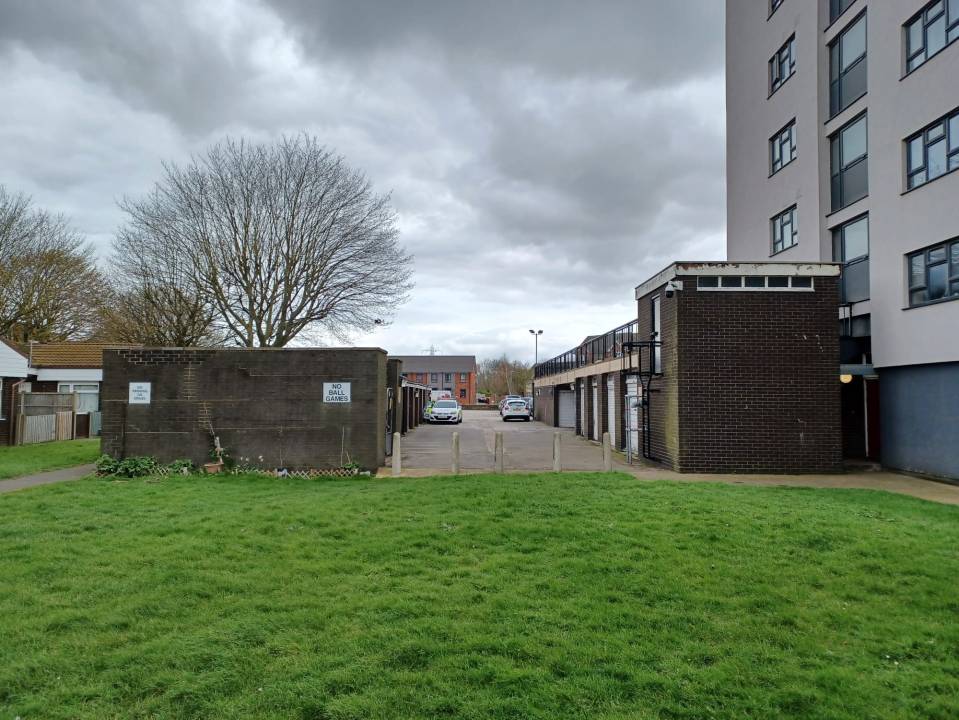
(843, 146)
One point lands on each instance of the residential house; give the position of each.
(456, 373)
(13, 373)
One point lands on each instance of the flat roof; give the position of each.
(682, 268)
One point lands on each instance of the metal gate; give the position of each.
(567, 409)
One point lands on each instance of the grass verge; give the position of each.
(28, 459)
(543, 596)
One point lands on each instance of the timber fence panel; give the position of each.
(65, 425)
(39, 428)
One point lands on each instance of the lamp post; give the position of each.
(535, 334)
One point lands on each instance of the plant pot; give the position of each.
(213, 467)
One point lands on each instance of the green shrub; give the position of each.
(177, 467)
(136, 467)
(106, 465)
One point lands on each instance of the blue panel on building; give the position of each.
(920, 418)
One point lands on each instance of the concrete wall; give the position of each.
(920, 419)
(260, 402)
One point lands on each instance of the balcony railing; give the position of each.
(602, 347)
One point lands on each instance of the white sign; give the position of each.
(336, 392)
(139, 393)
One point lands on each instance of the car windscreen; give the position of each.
(517, 406)
(445, 404)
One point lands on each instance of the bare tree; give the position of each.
(277, 240)
(502, 376)
(49, 282)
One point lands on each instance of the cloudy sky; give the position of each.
(544, 156)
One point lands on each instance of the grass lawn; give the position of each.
(573, 596)
(27, 459)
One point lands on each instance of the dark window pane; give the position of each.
(836, 194)
(917, 179)
(937, 255)
(914, 34)
(778, 281)
(855, 183)
(856, 239)
(917, 297)
(853, 84)
(853, 141)
(936, 159)
(731, 282)
(853, 43)
(938, 277)
(954, 288)
(935, 9)
(708, 281)
(855, 281)
(954, 161)
(935, 132)
(953, 34)
(917, 271)
(802, 282)
(955, 254)
(758, 281)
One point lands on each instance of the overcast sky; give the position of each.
(544, 157)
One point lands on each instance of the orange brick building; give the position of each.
(456, 373)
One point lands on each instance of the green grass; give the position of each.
(28, 459)
(573, 596)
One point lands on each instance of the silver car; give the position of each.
(515, 410)
(446, 411)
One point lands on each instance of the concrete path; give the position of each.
(45, 478)
(529, 448)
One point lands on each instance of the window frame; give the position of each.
(843, 169)
(776, 61)
(774, 5)
(656, 322)
(952, 149)
(777, 141)
(835, 47)
(463, 377)
(765, 287)
(839, 232)
(836, 10)
(922, 16)
(776, 221)
(950, 249)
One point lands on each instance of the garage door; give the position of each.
(567, 409)
(611, 410)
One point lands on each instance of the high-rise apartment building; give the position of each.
(843, 146)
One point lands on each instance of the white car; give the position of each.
(505, 400)
(446, 411)
(515, 410)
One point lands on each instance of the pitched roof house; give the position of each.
(13, 371)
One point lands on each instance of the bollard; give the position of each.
(607, 454)
(456, 453)
(557, 461)
(397, 455)
(500, 461)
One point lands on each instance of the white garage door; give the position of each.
(596, 416)
(567, 409)
(611, 410)
(583, 430)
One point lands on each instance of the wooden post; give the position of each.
(76, 406)
(607, 454)
(498, 454)
(557, 460)
(397, 454)
(456, 453)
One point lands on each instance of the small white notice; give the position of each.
(139, 393)
(336, 392)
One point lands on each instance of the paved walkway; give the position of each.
(529, 448)
(45, 478)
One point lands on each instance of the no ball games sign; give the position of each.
(336, 392)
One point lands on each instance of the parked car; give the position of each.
(446, 411)
(426, 410)
(515, 409)
(507, 399)
(529, 402)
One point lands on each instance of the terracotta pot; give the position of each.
(213, 467)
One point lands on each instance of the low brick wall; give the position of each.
(261, 403)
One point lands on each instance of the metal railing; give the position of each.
(607, 346)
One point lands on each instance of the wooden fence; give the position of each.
(44, 417)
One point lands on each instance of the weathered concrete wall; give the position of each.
(260, 402)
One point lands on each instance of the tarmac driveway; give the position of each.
(527, 445)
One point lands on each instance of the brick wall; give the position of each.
(758, 379)
(260, 402)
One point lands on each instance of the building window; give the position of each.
(774, 6)
(850, 247)
(785, 229)
(928, 32)
(753, 282)
(933, 151)
(849, 163)
(463, 377)
(462, 392)
(782, 148)
(934, 274)
(837, 8)
(656, 324)
(782, 65)
(434, 377)
(847, 67)
(448, 377)
(88, 395)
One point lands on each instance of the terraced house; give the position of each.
(843, 146)
(455, 373)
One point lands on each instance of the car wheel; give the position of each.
(527, 419)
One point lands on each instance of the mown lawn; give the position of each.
(573, 596)
(28, 459)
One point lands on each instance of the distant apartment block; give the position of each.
(843, 146)
(456, 373)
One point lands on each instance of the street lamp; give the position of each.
(535, 334)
